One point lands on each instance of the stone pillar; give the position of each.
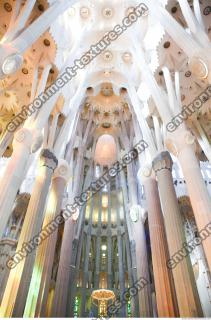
(181, 144)
(93, 204)
(144, 294)
(19, 279)
(109, 240)
(121, 270)
(14, 174)
(40, 282)
(62, 281)
(98, 244)
(9, 242)
(185, 286)
(159, 249)
(138, 233)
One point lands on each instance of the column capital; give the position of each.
(179, 140)
(48, 159)
(23, 136)
(31, 138)
(62, 171)
(162, 161)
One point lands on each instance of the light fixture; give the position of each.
(104, 247)
(103, 255)
(12, 63)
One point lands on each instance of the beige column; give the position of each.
(40, 281)
(182, 145)
(165, 295)
(185, 287)
(17, 285)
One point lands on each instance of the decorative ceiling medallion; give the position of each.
(129, 11)
(7, 7)
(84, 12)
(107, 56)
(9, 101)
(127, 57)
(207, 10)
(107, 13)
(12, 63)
(199, 68)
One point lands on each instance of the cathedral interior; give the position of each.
(105, 158)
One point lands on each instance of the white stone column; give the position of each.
(40, 282)
(165, 295)
(62, 281)
(181, 144)
(20, 274)
(187, 296)
(14, 173)
(137, 232)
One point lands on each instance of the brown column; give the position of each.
(185, 286)
(163, 285)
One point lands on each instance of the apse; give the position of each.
(105, 152)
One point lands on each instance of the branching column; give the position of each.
(183, 277)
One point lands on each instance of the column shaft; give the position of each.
(40, 282)
(199, 196)
(185, 287)
(19, 279)
(164, 294)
